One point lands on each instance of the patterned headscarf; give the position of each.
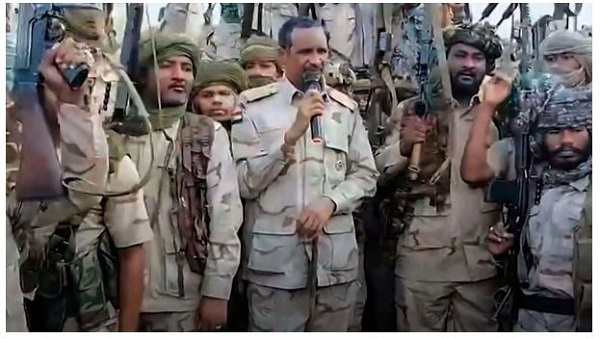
(481, 36)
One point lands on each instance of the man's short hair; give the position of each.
(285, 33)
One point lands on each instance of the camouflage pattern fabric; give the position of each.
(84, 157)
(447, 245)
(282, 310)
(225, 215)
(549, 235)
(344, 162)
(582, 266)
(480, 35)
(445, 306)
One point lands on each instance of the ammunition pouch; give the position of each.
(189, 190)
(73, 287)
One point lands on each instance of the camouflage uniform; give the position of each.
(84, 159)
(546, 258)
(444, 272)
(278, 188)
(231, 75)
(174, 292)
(96, 225)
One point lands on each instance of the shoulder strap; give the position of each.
(342, 99)
(259, 93)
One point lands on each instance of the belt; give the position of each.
(541, 304)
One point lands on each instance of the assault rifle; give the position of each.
(432, 53)
(516, 195)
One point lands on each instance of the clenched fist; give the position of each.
(311, 105)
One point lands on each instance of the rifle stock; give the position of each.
(40, 172)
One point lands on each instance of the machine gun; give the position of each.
(40, 28)
(516, 195)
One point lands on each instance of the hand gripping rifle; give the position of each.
(432, 51)
(40, 28)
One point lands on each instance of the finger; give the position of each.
(508, 236)
(493, 237)
(308, 226)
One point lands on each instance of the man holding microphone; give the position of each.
(304, 163)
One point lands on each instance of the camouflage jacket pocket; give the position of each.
(338, 249)
(272, 253)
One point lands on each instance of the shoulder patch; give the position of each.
(343, 99)
(258, 93)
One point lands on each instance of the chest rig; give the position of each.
(189, 191)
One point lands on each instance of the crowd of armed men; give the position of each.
(230, 209)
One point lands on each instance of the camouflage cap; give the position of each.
(228, 73)
(480, 35)
(566, 108)
(167, 45)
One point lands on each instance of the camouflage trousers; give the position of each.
(168, 322)
(361, 296)
(278, 310)
(15, 310)
(445, 306)
(533, 321)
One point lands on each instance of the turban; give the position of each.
(168, 45)
(227, 73)
(260, 48)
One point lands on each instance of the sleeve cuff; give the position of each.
(342, 204)
(216, 287)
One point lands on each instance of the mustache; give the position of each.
(567, 151)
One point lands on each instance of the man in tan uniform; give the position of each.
(261, 58)
(89, 224)
(192, 197)
(444, 273)
(302, 257)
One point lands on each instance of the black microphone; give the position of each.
(312, 82)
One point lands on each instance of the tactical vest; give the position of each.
(189, 188)
(69, 286)
(582, 267)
